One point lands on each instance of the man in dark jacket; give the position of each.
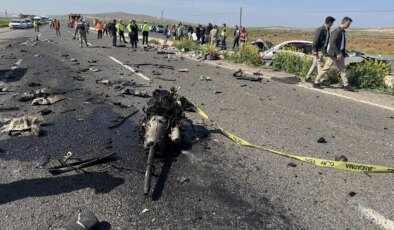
(113, 31)
(336, 55)
(319, 47)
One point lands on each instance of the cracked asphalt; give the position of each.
(211, 183)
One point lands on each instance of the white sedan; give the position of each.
(18, 24)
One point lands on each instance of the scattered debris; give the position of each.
(352, 194)
(145, 210)
(34, 84)
(48, 40)
(42, 162)
(183, 180)
(341, 158)
(94, 70)
(48, 101)
(203, 78)
(291, 164)
(67, 167)
(33, 94)
(258, 73)
(166, 79)
(8, 109)
(85, 220)
(133, 92)
(104, 82)
(321, 140)
(22, 125)
(239, 75)
(73, 60)
(165, 52)
(92, 61)
(37, 55)
(160, 66)
(183, 70)
(212, 56)
(123, 120)
(45, 112)
(218, 92)
(79, 78)
(121, 105)
(67, 110)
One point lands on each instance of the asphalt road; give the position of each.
(208, 184)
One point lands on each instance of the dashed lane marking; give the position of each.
(377, 218)
(129, 68)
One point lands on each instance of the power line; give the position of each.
(325, 11)
(214, 14)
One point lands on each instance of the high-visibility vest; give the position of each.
(145, 28)
(224, 32)
(119, 27)
(56, 24)
(129, 27)
(99, 26)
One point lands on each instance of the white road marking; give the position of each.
(350, 98)
(129, 68)
(377, 218)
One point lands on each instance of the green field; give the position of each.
(4, 22)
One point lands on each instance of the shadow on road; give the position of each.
(12, 75)
(102, 182)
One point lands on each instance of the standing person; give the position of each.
(203, 35)
(133, 33)
(105, 29)
(213, 36)
(237, 34)
(56, 25)
(80, 28)
(336, 55)
(208, 32)
(99, 28)
(243, 36)
(319, 46)
(190, 32)
(120, 29)
(173, 32)
(224, 36)
(198, 33)
(36, 26)
(112, 29)
(166, 34)
(145, 33)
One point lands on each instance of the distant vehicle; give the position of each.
(159, 29)
(44, 20)
(28, 22)
(18, 24)
(299, 46)
(72, 18)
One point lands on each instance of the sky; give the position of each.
(255, 13)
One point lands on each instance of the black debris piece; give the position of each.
(136, 93)
(43, 161)
(321, 140)
(45, 112)
(341, 158)
(239, 75)
(352, 194)
(291, 164)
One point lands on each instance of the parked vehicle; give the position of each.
(299, 46)
(28, 22)
(18, 24)
(159, 29)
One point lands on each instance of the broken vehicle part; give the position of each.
(239, 75)
(123, 120)
(48, 101)
(85, 220)
(25, 125)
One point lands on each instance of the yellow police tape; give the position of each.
(348, 166)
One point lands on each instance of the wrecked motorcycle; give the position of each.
(162, 127)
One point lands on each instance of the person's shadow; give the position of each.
(102, 182)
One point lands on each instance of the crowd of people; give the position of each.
(331, 45)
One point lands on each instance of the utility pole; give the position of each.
(161, 20)
(6, 14)
(240, 17)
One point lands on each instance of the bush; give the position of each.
(369, 74)
(247, 55)
(294, 63)
(186, 44)
(154, 41)
(207, 48)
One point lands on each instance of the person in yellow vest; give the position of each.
(145, 33)
(120, 29)
(133, 33)
(223, 34)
